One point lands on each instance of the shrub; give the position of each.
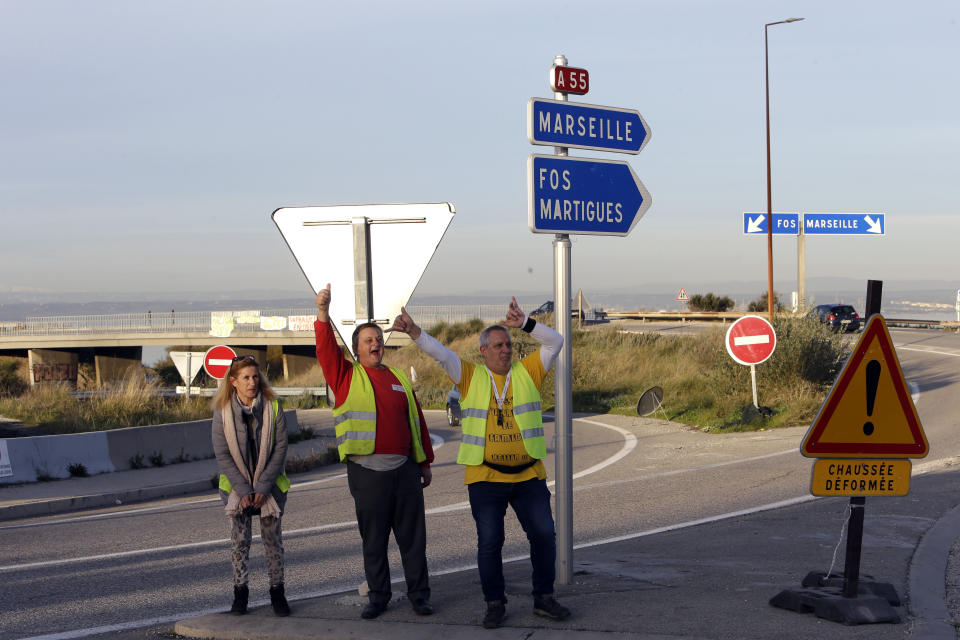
(12, 384)
(760, 305)
(710, 302)
(136, 461)
(78, 470)
(156, 459)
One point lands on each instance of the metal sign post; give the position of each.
(563, 393)
(585, 196)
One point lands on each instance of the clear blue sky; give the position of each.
(145, 144)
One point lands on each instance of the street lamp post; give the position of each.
(766, 64)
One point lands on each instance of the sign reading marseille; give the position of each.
(843, 224)
(585, 126)
(584, 195)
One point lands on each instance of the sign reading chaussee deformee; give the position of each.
(844, 477)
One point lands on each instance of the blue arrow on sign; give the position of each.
(584, 195)
(840, 224)
(783, 224)
(585, 126)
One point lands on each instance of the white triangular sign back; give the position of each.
(181, 360)
(402, 239)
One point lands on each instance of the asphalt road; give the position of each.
(151, 563)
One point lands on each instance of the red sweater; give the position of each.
(393, 428)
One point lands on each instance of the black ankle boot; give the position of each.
(240, 596)
(279, 601)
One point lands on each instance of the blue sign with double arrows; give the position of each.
(844, 224)
(783, 224)
(585, 126)
(584, 195)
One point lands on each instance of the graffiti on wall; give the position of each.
(59, 372)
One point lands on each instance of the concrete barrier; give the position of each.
(34, 457)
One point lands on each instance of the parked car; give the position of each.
(840, 317)
(453, 407)
(587, 315)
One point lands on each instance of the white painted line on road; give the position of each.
(169, 507)
(740, 341)
(112, 514)
(940, 351)
(123, 626)
(676, 472)
(914, 391)
(693, 523)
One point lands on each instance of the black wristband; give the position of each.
(529, 324)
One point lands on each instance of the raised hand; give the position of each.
(323, 304)
(515, 315)
(404, 324)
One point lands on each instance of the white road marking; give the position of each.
(940, 351)
(169, 507)
(630, 442)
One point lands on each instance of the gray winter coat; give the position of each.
(275, 463)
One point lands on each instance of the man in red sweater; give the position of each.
(383, 438)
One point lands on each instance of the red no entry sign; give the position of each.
(217, 361)
(751, 340)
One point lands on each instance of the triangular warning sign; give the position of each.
(869, 411)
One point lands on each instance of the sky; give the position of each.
(146, 144)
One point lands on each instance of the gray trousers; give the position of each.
(272, 545)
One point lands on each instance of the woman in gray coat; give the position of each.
(250, 442)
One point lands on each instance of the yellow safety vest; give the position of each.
(283, 482)
(476, 407)
(356, 419)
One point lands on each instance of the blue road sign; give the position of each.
(585, 126)
(755, 224)
(584, 195)
(844, 224)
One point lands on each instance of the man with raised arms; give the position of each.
(502, 449)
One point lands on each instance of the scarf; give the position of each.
(270, 507)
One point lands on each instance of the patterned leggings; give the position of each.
(272, 544)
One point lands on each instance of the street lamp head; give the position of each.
(770, 24)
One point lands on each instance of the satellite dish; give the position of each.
(650, 401)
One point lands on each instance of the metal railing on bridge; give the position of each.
(221, 323)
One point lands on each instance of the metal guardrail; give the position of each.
(427, 316)
(205, 321)
(206, 392)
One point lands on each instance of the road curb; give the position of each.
(927, 580)
(263, 625)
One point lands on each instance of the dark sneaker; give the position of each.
(496, 612)
(422, 607)
(373, 609)
(240, 596)
(548, 607)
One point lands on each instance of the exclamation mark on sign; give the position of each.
(873, 379)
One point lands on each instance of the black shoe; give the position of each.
(422, 607)
(373, 609)
(240, 596)
(279, 601)
(548, 607)
(496, 612)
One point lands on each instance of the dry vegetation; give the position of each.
(702, 385)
